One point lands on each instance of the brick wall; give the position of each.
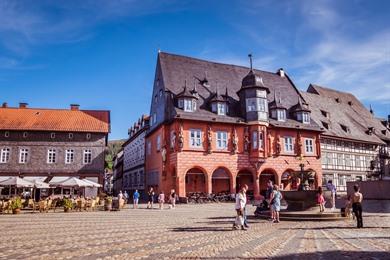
(255, 163)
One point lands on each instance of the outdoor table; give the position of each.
(115, 203)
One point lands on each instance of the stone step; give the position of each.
(304, 215)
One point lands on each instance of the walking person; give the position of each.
(330, 186)
(135, 199)
(126, 196)
(276, 197)
(357, 199)
(245, 212)
(268, 198)
(150, 198)
(161, 200)
(320, 199)
(172, 199)
(239, 206)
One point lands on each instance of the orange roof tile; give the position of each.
(37, 119)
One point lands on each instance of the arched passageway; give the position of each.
(245, 177)
(266, 176)
(195, 181)
(220, 181)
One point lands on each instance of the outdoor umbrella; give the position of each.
(72, 182)
(95, 185)
(40, 184)
(17, 182)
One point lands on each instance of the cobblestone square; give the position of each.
(187, 232)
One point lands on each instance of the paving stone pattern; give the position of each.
(187, 232)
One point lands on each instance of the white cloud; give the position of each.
(324, 49)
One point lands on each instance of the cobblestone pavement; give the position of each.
(187, 232)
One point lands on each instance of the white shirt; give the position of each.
(240, 200)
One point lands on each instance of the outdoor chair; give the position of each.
(5, 206)
(49, 205)
(93, 205)
(80, 204)
(42, 205)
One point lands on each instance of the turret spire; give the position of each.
(250, 60)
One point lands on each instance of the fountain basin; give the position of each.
(303, 200)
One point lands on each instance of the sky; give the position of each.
(102, 54)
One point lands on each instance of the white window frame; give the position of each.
(260, 139)
(221, 109)
(195, 140)
(69, 156)
(255, 140)
(305, 118)
(51, 156)
(158, 142)
(221, 140)
(281, 115)
(309, 145)
(87, 156)
(23, 155)
(189, 105)
(5, 155)
(288, 144)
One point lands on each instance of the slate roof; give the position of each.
(343, 109)
(38, 119)
(177, 69)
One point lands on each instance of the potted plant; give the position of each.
(108, 203)
(68, 205)
(16, 205)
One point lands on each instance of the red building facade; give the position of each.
(203, 141)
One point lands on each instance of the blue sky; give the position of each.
(102, 54)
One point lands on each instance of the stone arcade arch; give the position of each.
(221, 181)
(245, 177)
(195, 180)
(265, 176)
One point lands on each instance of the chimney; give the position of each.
(5, 105)
(74, 107)
(23, 105)
(281, 73)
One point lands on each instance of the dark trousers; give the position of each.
(357, 209)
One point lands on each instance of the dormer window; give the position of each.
(303, 117)
(281, 115)
(324, 113)
(187, 99)
(219, 108)
(345, 128)
(189, 105)
(306, 118)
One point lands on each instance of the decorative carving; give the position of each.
(181, 138)
(209, 139)
(277, 145)
(164, 154)
(173, 141)
(299, 142)
(234, 140)
(246, 140)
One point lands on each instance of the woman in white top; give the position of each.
(357, 199)
(240, 206)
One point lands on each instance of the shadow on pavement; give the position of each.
(201, 229)
(335, 227)
(317, 255)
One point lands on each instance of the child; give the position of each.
(348, 207)
(161, 199)
(320, 199)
